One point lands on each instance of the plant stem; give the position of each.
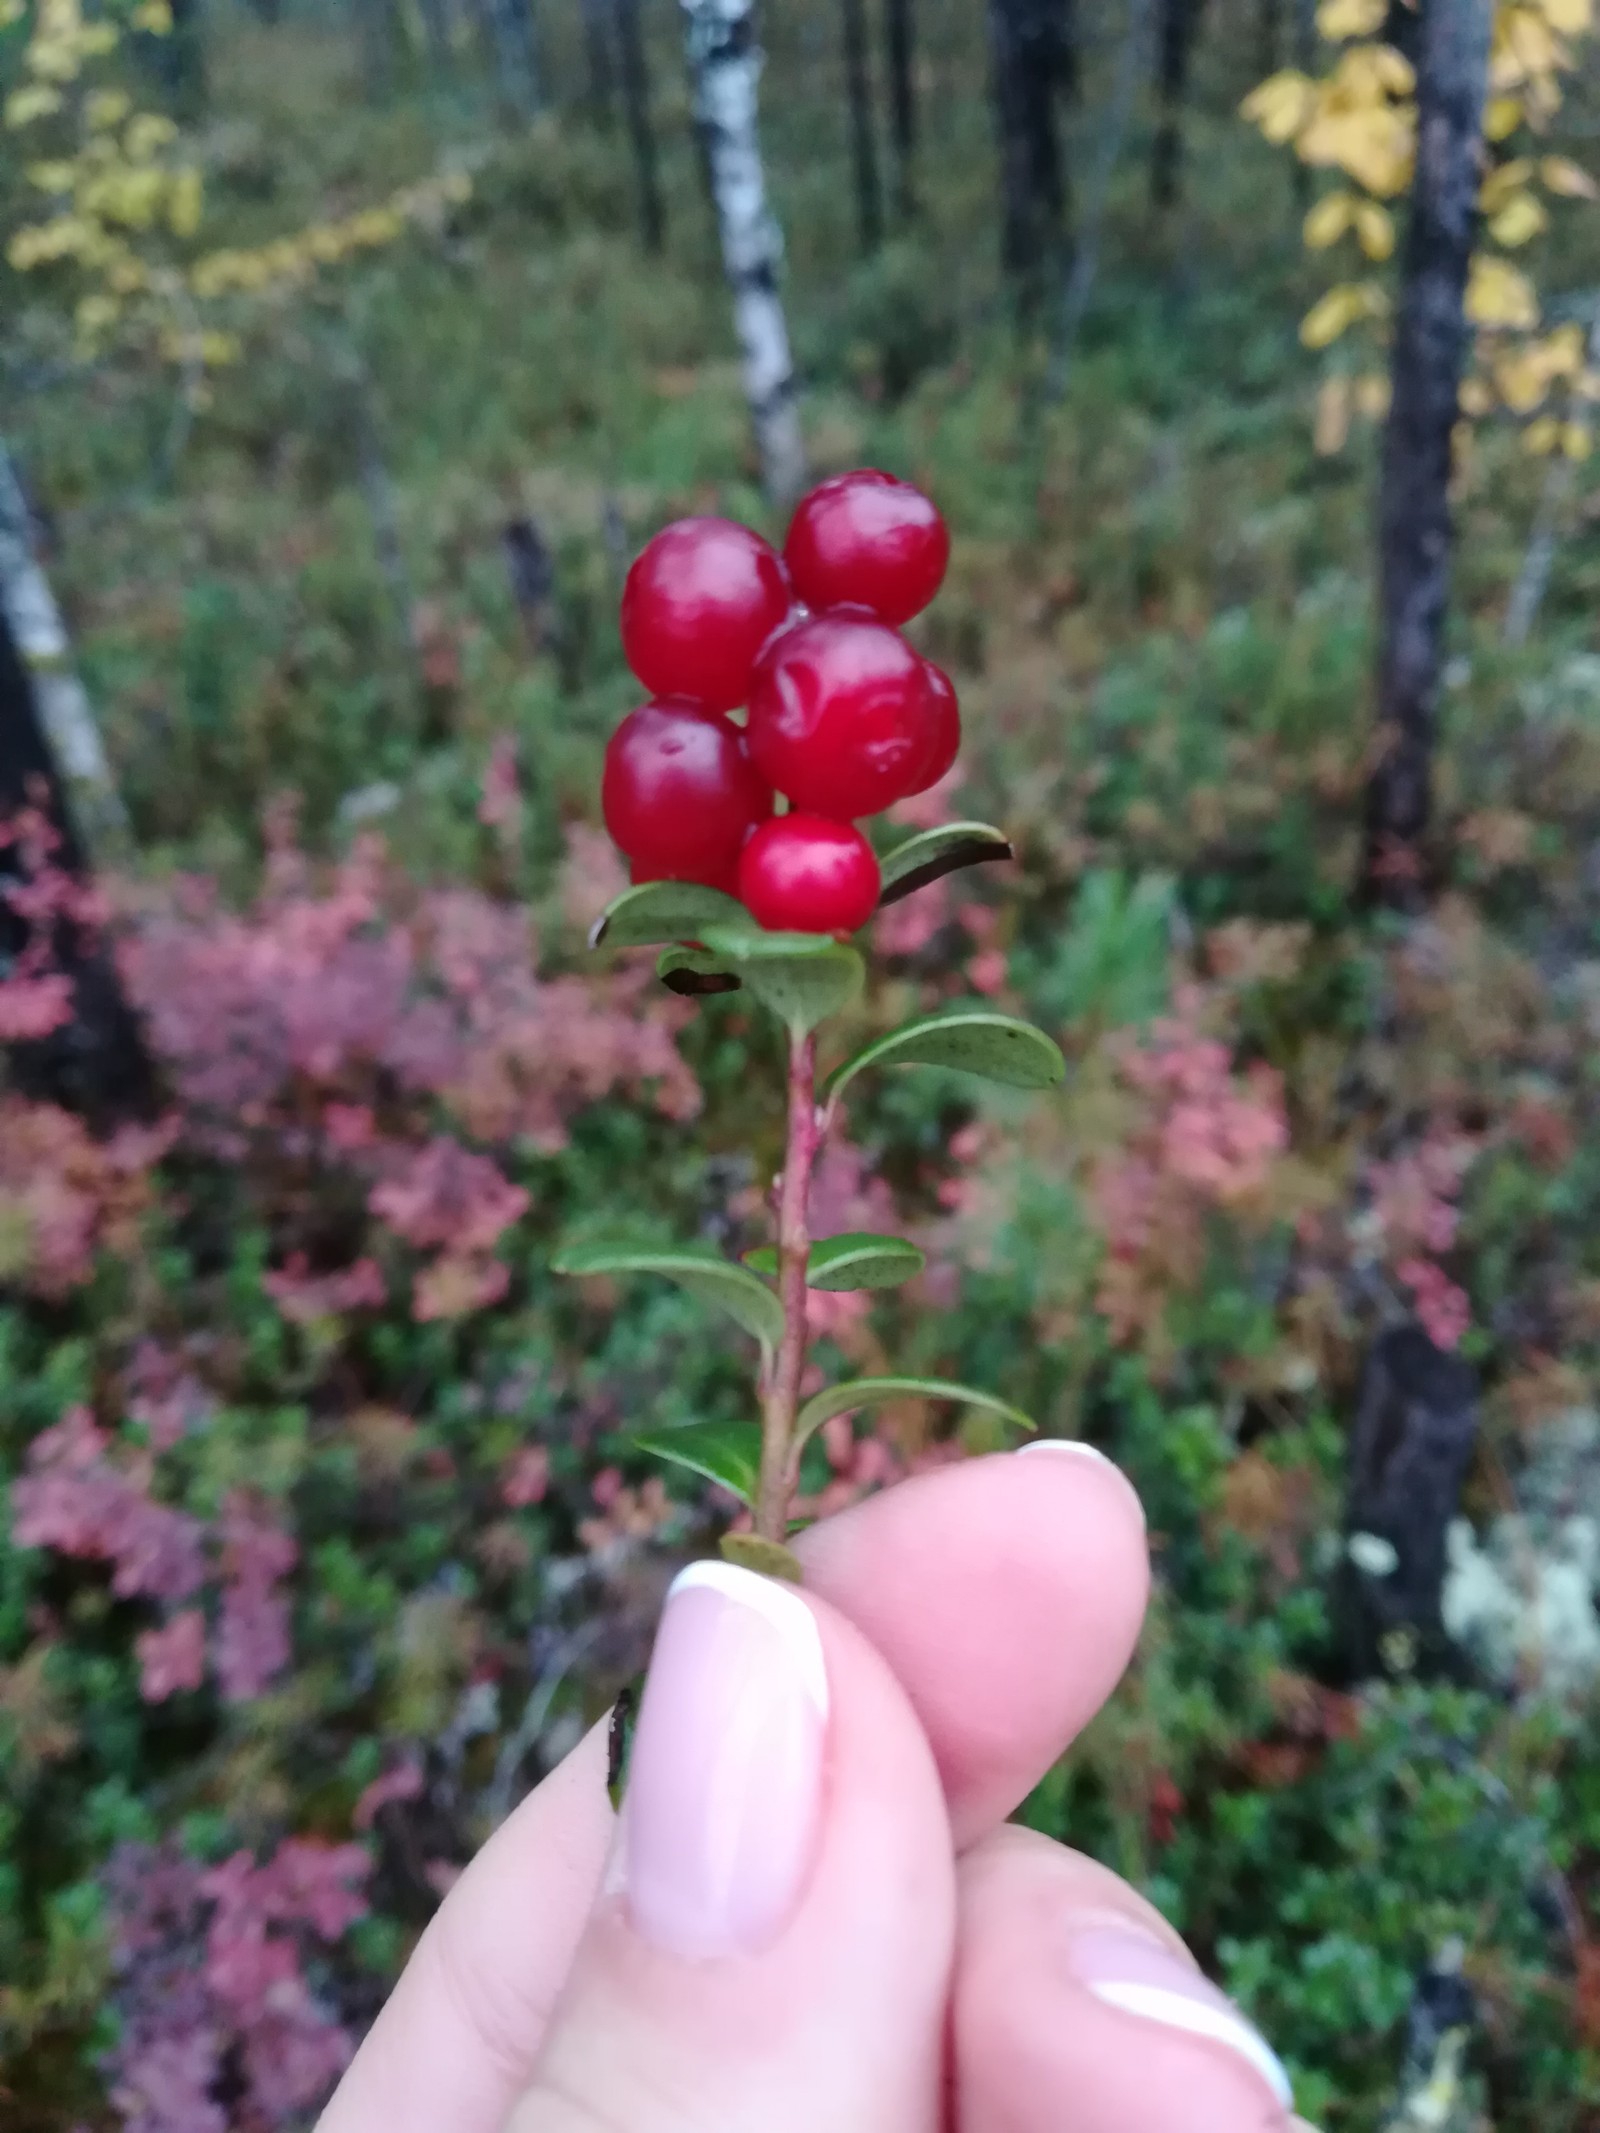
(782, 1388)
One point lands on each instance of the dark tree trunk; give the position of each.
(1414, 538)
(1179, 26)
(863, 132)
(514, 40)
(531, 571)
(96, 1064)
(1028, 45)
(599, 59)
(641, 133)
(1269, 37)
(378, 30)
(1415, 1429)
(900, 53)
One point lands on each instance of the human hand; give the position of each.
(815, 1920)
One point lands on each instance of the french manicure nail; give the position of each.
(724, 1790)
(1132, 1971)
(1087, 1454)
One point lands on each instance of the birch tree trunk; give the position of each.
(1027, 49)
(1415, 531)
(725, 69)
(635, 69)
(863, 131)
(40, 636)
(900, 43)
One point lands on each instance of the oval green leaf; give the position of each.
(693, 973)
(937, 852)
(663, 911)
(801, 977)
(706, 1275)
(728, 1453)
(857, 1259)
(869, 1392)
(972, 1037)
(770, 1559)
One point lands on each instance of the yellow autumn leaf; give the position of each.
(1543, 437)
(1332, 424)
(55, 177)
(217, 349)
(154, 16)
(1522, 218)
(1502, 117)
(1498, 295)
(1328, 221)
(1279, 107)
(1587, 385)
(1559, 174)
(37, 243)
(1577, 440)
(1339, 19)
(1372, 396)
(1522, 380)
(105, 108)
(146, 136)
(1374, 230)
(37, 101)
(95, 313)
(1569, 18)
(1476, 398)
(1501, 184)
(1333, 314)
(1393, 70)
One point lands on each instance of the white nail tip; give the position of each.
(1089, 1454)
(1178, 2011)
(783, 1609)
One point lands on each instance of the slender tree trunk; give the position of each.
(40, 637)
(1028, 46)
(1180, 21)
(377, 29)
(97, 1063)
(514, 40)
(900, 52)
(1269, 37)
(863, 131)
(635, 67)
(1415, 533)
(599, 59)
(725, 68)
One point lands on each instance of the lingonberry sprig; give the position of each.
(842, 717)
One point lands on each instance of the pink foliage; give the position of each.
(43, 898)
(81, 1501)
(252, 1641)
(304, 1297)
(173, 1657)
(525, 1478)
(64, 1195)
(403, 1782)
(1413, 1216)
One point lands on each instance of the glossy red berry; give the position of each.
(699, 604)
(868, 540)
(840, 716)
(943, 730)
(679, 792)
(803, 874)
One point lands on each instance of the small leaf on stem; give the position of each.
(728, 1453)
(971, 1036)
(858, 1259)
(705, 1274)
(802, 977)
(771, 1558)
(663, 911)
(692, 972)
(868, 1392)
(937, 852)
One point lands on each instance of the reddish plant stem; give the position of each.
(782, 1389)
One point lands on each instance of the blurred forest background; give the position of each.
(348, 354)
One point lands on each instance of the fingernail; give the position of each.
(725, 1783)
(1132, 1971)
(1071, 1448)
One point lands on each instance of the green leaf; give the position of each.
(705, 1274)
(769, 1559)
(868, 1392)
(663, 911)
(855, 1260)
(935, 852)
(692, 972)
(728, 1453)
(802, 977)
(972, 1036)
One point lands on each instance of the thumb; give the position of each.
(772, 1952)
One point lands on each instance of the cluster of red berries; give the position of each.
(843, 717)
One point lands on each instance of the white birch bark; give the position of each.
(41, 638)
(725, 69)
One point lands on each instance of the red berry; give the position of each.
(944, 727)
(699, 604)
(868, 540)
(802, 874)
(840, 716)
(679, 793)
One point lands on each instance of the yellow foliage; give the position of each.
(154, 16)
(1337, 311)
(1372, 396)
(1476, 398)
(1374, 230)
(1569, 18)
(185, 203)
(1332, 425)
(1543, 437)
(1560, 175)
(1521, 218)
(1500, 184)
(1502, 116)
(1328, 221)
(1577, 440)
(25, 106)
(1339, 19)
(105, 108)
(1499, 295)
(1280, 106)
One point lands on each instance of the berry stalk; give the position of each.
(781, 1392)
